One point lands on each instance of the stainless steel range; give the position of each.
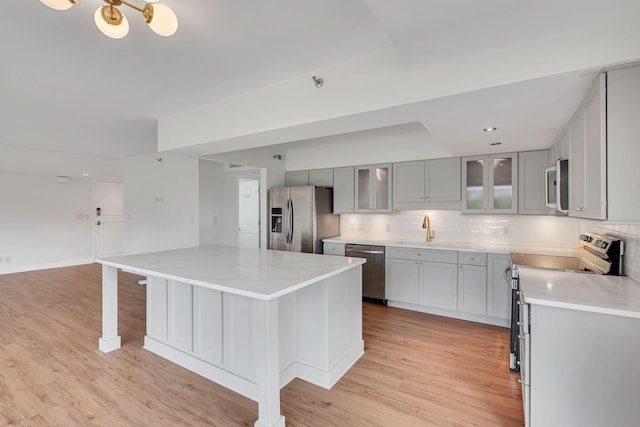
(598, 254)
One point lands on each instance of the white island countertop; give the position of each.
(256, 273)
(615, 295)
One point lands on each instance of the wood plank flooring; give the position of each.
(418, 369)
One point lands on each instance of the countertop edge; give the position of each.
(582, 307)
(229, 289)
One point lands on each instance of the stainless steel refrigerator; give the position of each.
(300, 217)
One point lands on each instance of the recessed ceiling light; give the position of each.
(495, 143)
(491, 129)
(85, 174)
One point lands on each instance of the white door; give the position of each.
(248, 213)
(109, 216)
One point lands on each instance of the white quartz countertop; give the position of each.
(256, 273)
(453, 246)
(420, 244)
(616, 295)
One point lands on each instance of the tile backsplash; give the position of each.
(513, 230)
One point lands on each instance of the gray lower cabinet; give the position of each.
(422, 276)
(402, 280)
(330, 248)
(472, 282)
(461, 284)
(584, 368)
(499, 286)
(438, 281)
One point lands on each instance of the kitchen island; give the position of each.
(251, 320)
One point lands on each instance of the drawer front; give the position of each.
(449, 257)
(334, 249)
(472, 258)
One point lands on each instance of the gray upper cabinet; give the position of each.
(321, 177)
(587, 158)
(318, 177)
(373, 185)
(427, 184)
(296, 178)
(490, 184)
(531, 181)
(623, 144)
(343, 190)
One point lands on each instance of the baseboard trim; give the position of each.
(47, 266)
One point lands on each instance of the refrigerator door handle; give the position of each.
(286, 222)
(291, 216)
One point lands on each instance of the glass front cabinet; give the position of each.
(373, 188)
(490, 184)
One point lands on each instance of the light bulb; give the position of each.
(164, 22)
(59, 4)
(114, 30)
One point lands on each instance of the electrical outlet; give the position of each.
(79, 216)
(388, 228)
(215, 219)
(7, 259)
(1, 260)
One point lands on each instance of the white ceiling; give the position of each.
(66, 87)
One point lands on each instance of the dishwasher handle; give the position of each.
(364, 252)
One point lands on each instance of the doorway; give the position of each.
(248, 213)
(109, 218)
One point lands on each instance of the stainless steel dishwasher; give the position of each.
(372, 270)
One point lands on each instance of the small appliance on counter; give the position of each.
(598, 254)
(300, 217)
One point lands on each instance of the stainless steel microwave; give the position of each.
(557, 186)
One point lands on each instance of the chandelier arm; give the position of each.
(132, 6)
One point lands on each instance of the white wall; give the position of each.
(160, 202)
(44, 162)
(392, 144)
(219, 203)
(44, 224)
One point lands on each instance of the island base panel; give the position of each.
(107, 345)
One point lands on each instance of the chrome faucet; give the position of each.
(426, 223)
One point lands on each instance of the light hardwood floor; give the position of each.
(418, 369)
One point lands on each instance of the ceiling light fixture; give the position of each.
(112, 23)
(490, 129)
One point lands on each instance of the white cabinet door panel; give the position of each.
(238, 340)
(442, 180)
(157, 308)
(401, 280)
(498, 287)
(207, 324)
(472, 289)
(439, 285)
(180, 315)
